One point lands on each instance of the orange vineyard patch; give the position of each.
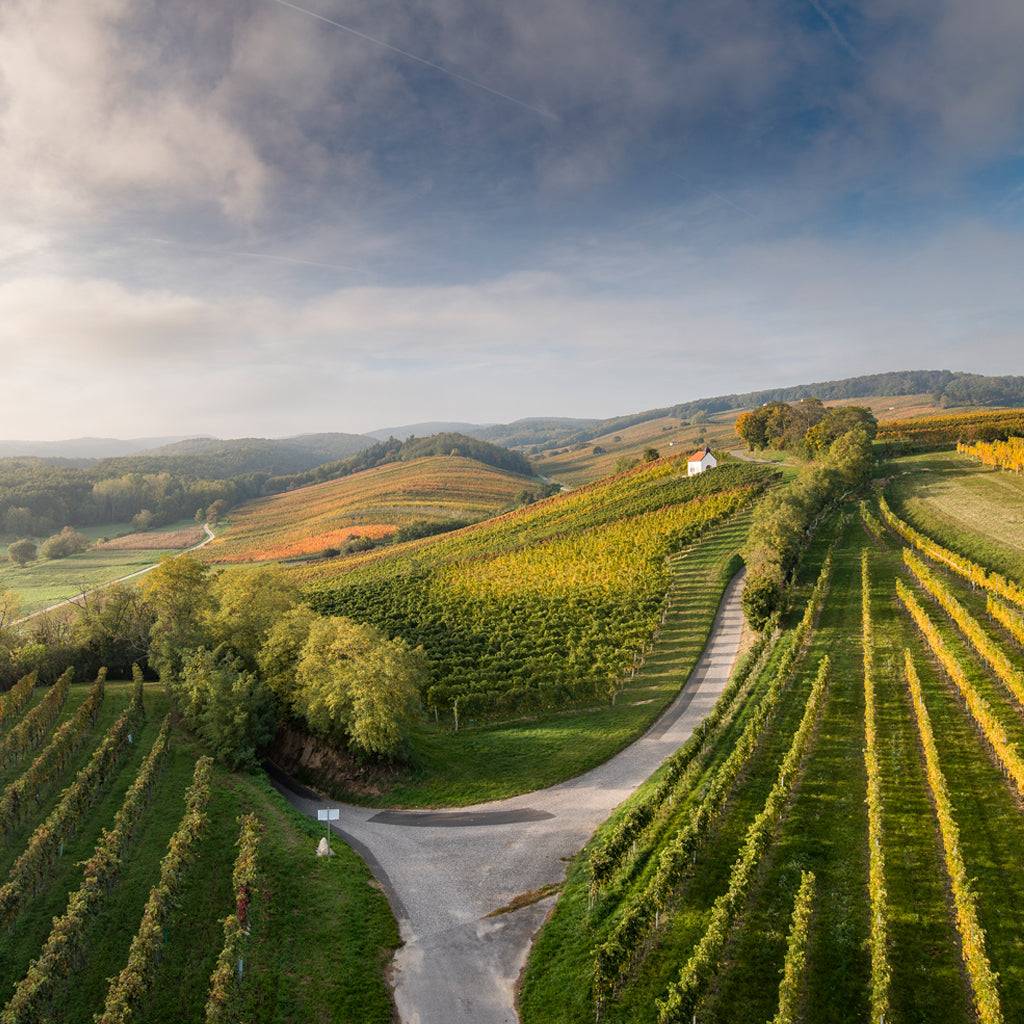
(371, 504)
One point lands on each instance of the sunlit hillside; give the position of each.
(372, 504)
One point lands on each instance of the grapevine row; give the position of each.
(32, 729)
(642, 910)
(1012, 678)
(975, 574)
(543, 609)
(16, 697)
(135, 979)
(1007, 618)
(681, 770)
(796, 952)
(972, 937)
(47, 842)
(67, 942)
(880, 971)
(226, 978)
(1008, 454)
(683, 995)
(871, 523)
(991, 728)
(50, 764)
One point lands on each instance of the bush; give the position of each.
(21, 552)
(60, 545)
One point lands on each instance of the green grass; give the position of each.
(322, 929)
(46, 582)
(967, 507)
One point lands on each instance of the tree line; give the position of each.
(838, 443)
(39, 497)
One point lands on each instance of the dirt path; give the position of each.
(445, 871)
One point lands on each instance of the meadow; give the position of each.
(47, 582)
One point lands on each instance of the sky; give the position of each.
(265, 218)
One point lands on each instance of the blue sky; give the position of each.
(263, 218)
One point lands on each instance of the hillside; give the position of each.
(213, 459)
(371, 504)
(873, 742)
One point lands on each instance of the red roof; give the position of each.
(697, 456)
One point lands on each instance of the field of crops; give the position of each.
(843, 840)
(370, 504)
(131, 888)
(547, 607)
(949, 428)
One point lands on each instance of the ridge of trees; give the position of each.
(947, 388)
(838, 441)
(38, 499)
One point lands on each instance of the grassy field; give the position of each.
(969, 508)
(321, 931)
(46, 582)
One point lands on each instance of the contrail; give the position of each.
(830, 21)
(420, 60)
(344, 267)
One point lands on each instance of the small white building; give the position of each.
(699, 461)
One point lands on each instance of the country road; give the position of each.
(445, 871)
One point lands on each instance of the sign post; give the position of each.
(328, 814)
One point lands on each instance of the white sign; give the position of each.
(328, 814)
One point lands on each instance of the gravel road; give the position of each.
(444, 871)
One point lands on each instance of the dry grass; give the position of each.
(172, 540)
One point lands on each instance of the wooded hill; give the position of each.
(38, 498)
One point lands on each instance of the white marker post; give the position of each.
(328, 814)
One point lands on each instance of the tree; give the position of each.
(21, 552)
(282, 649)
(61, 545)
(354, 686)
(245, 605)
(231, 709)
(837, 422)
(142, 522)
(178, 592)
(651, 455)
(113, 628)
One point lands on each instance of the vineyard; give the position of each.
(138, 882)
(944, 430)
(546, 608)
(370, 504)
(1008, 454)
(841, 840)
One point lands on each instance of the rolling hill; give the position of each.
(372, 504)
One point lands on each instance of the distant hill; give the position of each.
(81, 447)
(946, 387)
(425, 430)
(212, 458)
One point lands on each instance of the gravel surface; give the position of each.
(444, 871)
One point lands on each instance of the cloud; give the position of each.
(48, 321)
(90, 116)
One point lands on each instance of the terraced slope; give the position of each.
(372, 504)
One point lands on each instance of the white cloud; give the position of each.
(88, 121)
